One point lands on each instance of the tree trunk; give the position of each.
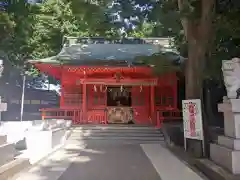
(198, 33)
(193, 71)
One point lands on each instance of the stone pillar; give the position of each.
(226, 152)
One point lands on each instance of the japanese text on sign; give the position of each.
(192, 119)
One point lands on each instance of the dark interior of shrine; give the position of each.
(119, 96)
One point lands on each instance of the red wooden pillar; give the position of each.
(84, 105)
(62, 96)
(152, 100)
(175, 91)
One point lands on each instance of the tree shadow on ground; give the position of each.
(90, 160)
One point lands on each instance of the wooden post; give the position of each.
(152, 97)
(84, 102)
(62, 95)
(175, 88)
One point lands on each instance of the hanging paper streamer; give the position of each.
(103, 89)
(141, 88)
(95, 88)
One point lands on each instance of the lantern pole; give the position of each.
(23, 92)
(1, 72)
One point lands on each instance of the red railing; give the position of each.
(94, 116)
(167, 114)
(73, 114)
(97, 116)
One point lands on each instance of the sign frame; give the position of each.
(193, 121)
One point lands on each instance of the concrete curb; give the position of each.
(66, 136)
(9, 170)
(204, 167)
(26, 168)
(213, 171)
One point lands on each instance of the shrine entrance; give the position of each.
(97, 89)
(119, 102)
(119, 96)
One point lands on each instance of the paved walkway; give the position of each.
(111, 162)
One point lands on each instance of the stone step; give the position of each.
(106, 127)
(122, 141)
(7, 153)
(3, 139)
(229, 142)
(225, 157)
(114, 133)
(118, 138)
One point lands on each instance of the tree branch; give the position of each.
(184, 20)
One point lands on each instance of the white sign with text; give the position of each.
(192, 119)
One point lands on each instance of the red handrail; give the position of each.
(173, 114)
(74, 114)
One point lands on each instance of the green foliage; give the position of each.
(162, 63)
(17, 30)
(36, 31)
(227, 30)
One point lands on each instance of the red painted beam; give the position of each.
(130, 81)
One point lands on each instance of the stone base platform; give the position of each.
(229, 142)
(225, 157)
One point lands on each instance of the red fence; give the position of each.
(99, 116)
(167, 114)
(94, 116)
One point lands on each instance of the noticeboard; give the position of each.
(192, 119)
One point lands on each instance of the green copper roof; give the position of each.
(100, 52)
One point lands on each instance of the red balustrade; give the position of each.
(97, 116)
(167, 114)
(94, 116)
(73, 114)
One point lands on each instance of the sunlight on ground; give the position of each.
(82, 159)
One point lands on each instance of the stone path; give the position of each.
(110, 162)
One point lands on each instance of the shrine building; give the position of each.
(102, 83)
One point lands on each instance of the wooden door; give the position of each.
(96, 104)
(140, 104)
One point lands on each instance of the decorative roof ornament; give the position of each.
(118, 76)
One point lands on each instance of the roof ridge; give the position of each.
(68, 40)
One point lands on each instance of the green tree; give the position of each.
(17, 29)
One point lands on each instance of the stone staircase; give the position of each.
(116, 134)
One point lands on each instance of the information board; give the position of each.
(192, 119)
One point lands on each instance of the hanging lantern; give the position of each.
(141, 88)
(95, 88)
